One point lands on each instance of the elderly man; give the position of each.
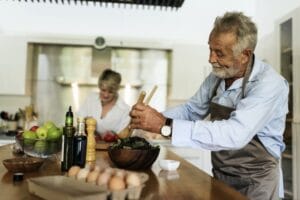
(247, 102)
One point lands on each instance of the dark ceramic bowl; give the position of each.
(133, 159)
(23, 164)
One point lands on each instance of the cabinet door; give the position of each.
(286, 66)
(13, 51)
(296, 103)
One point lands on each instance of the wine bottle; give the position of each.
(67, 142)
(80, 143)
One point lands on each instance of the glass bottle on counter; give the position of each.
(80, 144)
(67, 142)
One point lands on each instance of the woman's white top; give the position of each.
(115, 120)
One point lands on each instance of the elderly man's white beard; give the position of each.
(223, 72)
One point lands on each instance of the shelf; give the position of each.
(288, 194)
(87, 83)
(288, 180)
(69, 82)
(287, 50)
(287, 155)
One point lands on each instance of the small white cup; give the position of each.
(169, 165)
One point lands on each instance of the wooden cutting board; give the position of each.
(101, 145)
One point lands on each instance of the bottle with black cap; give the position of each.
(80, 142)
(67, 142)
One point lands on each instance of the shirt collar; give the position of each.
(253, 76)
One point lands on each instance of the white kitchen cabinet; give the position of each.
(287, 30)
(13, 76)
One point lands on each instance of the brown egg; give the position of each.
(133, 180)
(120, 173)
(103, 178)
(82, 174)
(116, 183)
(109, 170)
(92, 176)
(73, 171)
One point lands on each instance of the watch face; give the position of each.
(166, 130)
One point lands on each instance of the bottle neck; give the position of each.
(69, 121)
(81, 129)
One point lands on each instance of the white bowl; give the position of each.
(169, 165)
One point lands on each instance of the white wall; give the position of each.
(12, 62)
(267, 12)
(191, 23)
(186, 30)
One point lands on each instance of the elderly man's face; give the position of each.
(225, 64)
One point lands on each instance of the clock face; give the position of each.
(100, 43)
(166, 130)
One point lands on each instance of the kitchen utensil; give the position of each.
(134, 153)
(148, 99)
(133, 159)
(126, 132)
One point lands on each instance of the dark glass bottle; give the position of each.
(67, 142)
(80, 141)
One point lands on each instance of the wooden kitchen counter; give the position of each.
(187, 183)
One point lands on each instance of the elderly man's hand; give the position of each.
(146, 118)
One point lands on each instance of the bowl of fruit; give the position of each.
(40, 141)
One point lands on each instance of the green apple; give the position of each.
(53, 134)
(29, 137)
(48, 125)
(53, 147)
(41, 132)
(40, 146)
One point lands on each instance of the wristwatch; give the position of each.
(166, 130)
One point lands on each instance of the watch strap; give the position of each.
(169, 122)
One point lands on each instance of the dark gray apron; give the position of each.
(252, 170)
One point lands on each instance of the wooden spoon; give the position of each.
(150, 95)
(126, 132)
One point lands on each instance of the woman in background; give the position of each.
(107, 107)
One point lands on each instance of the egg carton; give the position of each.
(128, 193)
(66, 188)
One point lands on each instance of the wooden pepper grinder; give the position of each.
(91, 142)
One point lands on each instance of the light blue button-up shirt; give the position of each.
(261, 112)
